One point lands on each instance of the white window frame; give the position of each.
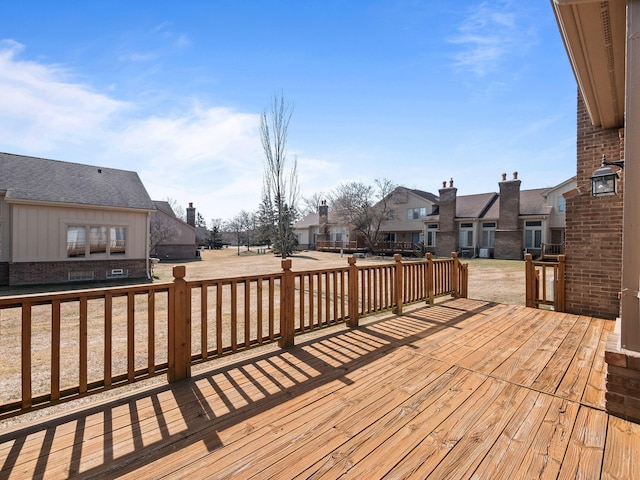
(488, 235)
(109, 246)
(417, 213)
(533, 234)
(562, 204)
(432, 230)
(466, 234)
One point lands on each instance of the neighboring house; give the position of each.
(491, 225)
(306, 231)
(497, 225)
(603, 260)
(410, 208)
(322, 230)
(63, 222)
(171, 237)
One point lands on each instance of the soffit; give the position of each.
(594, 34)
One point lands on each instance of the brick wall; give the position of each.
(176, 252)
(594, 227)
(508, 240)
(4, 273)
(508, 245)
(36, 273)
(622, 397)
(447, 236)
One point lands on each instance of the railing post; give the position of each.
(455, 277)
(559, 291)
(464, 280)
(530, 281)
(354, 302)
(399, 283)
(287, 306)
(179, 329)
(430, 280)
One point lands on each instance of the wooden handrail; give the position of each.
(221, 316)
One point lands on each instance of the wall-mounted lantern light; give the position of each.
(604, 178)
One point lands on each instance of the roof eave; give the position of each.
(594, 35)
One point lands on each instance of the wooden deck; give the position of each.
(463, 389)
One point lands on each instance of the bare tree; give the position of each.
(280, 176)
(364, 208)
(160, 231)
(178, 209)
(310, 204)
(239, 226)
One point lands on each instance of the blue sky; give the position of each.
(414, 91)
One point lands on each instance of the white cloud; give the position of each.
(203, 154)
(40, 106)
(491, 33)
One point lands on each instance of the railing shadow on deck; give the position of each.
(78, 343)
(318, 361)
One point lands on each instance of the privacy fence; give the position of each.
(62, 346)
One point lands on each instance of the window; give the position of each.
(432, 228)
(466, 235)
(416, 213)
(533, 234)
(562, 204)
(98, 240)
(76, 241)
(488, 234)
(389, 237)
(118, 238)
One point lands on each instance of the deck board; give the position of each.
(462, 389)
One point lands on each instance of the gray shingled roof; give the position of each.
(473, 206)
(426, 195)
(533, 202)
(53, 181)
(165, 207)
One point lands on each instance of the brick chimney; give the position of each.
(508, 240)
(323, 213)
(447, 236)
(191, 215)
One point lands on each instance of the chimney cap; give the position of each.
(190, 204)
(515, 175)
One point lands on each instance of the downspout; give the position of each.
(147, 246)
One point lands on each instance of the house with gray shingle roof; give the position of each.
(63, 221)
(171, 237)
(410, 208)
(498, 225)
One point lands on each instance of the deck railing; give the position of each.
(62, 346)
(545, 282)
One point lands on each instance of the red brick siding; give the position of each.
(594, 227)
(4, 274)
(35, 273)
(623, 381)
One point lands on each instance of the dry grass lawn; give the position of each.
(500, 281)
